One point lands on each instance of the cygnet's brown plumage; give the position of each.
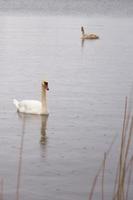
(88, 36)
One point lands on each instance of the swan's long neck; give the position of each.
(43, 101)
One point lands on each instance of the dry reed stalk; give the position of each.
(94, 182)
(120, 189)
(129, 177)
(129, 141)
(122, 168)
(104, 162)
(126, 120)
(100, 169)
(115, 183)
(129, 110)
(20, 161)
(128, 164)
(124, 151)
(127, 151)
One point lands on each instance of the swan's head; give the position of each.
(45, 85)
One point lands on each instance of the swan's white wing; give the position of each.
(30, 106)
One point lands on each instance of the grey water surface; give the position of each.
(56, 158)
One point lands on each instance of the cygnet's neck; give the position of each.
(43, 100)
(82, 30)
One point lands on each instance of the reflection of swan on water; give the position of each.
(43, 119)
(90, 36)
(43, 139)
(33, 106)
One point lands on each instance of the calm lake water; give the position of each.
(88, 83)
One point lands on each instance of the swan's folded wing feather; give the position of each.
(30, 106)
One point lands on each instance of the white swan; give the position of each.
(88, 36)
(33, 106)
